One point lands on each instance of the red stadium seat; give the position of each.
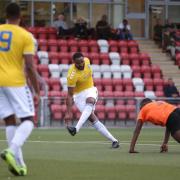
(100, 112)
(118, 95)
(158, 84)
(136, 71)
(73, 45)
(148, 84)
(133, 46)
(110, 113)
(98, 84)
(94, 58)
(107, 84)
(128, 85)
(159, 94)
(63, 46)
(134, 59)
(117, 84)
(54, 57)
(42, 44)
(145, 59)
(138, 94)
(56, 112)
(125, 58)
(113, 46)
(42, 33)
(54, 97)
(34, 31)
(131, 112)
(104, 58)
(52, 33)
(54, 84)
(83, 45)
(156, 71)
(129, 97)
(121, 112)
(123, 47)
(93, 46)
(109, 98)
(43, 70)
(146, 71)
(64, 57)
(53, 45)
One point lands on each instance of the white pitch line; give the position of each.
(97, 142)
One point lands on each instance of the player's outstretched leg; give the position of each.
(104, 131)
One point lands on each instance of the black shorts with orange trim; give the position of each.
(173, 122)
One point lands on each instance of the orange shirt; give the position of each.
(156, 112)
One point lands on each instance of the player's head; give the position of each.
(78, 59)
(13, 12)
(144, 102)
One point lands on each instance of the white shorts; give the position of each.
(16, 100)
(80, 98)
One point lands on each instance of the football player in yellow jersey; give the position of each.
(16, 55)
(81, 89)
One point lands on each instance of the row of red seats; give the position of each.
(73, 45)
(108, 84)
(43, 32)
(153, 71)
(120, 112)
(116, 95)
(98, 58)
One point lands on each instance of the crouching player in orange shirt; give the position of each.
(159, 113)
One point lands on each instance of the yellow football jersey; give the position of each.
(80, 79)
(14, 43)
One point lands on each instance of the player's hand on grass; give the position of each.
(133, 151)
(164, 148)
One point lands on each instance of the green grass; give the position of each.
(55, 155)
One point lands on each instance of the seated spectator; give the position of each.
(124, 31)
(169, 26)
(61, 25)
(158, 30)
(80, 28)
(169, 30)
(170, 90)
(103, 29)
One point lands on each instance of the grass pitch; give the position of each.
(55, 155)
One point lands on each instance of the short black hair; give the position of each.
(144, 102)
(13, 11)
(77, 55)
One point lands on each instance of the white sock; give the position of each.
(22, 133)
(10, 131)
(84, 116)
(103, 130)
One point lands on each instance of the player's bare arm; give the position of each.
(135, 136)
(31, 73)
(164, 146)
(69, 103)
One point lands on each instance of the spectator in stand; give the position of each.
(158, 30)
(80, 28)
(61, 25)
(168, 35)
(103, 29)
(170, 89)
(124, 31)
